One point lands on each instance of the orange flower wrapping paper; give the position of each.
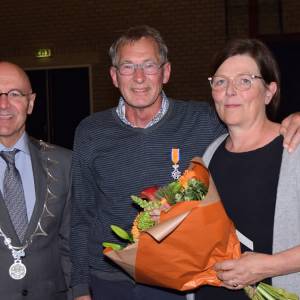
(180, 252)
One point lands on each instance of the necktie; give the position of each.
(13, 194)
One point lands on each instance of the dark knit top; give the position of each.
(247, 184)
(112, 161)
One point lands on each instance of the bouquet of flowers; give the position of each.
(181, 233)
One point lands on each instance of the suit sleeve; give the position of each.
(64, 230)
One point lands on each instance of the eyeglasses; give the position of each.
(15, 94)
(149, 68)
(241, 82)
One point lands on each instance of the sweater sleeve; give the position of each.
(217, 127)
(82, 216)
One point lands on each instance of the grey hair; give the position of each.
(134, 34)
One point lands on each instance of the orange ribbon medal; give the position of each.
(175, 157)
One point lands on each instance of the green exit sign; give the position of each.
(43, 52)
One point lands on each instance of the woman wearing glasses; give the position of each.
(258, 181)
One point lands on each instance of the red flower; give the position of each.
(149, 193)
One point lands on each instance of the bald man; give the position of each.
(34, 200)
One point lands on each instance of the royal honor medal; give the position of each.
(175, 157)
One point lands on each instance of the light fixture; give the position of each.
(43, 53)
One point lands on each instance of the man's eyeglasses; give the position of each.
(241, 82)
(15, 94)
(149, 68)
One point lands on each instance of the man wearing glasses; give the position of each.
(147, 140)
(34, 200)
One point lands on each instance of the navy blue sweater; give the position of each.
(112, 161)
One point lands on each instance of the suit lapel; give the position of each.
(40, 182)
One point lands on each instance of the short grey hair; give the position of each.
(134, 34)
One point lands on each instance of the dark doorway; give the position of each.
(63, 100)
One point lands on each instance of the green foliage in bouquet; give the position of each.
(120, 233)
(144, 219)
(175, 192)
(267, 292)
(169, 192)
(145, 204)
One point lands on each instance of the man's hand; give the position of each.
(83, 298)
(290, 129)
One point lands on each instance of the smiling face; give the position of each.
(13, 112)
(141, 91)
(242, 108)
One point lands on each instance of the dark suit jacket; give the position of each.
(47, 256)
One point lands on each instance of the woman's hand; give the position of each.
(250, 268)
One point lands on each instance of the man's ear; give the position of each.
(166, 72)
(31, 99)
(114, 76)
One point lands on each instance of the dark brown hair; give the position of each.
(264, 59)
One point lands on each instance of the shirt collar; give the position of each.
(120, 110)
(21, 144)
